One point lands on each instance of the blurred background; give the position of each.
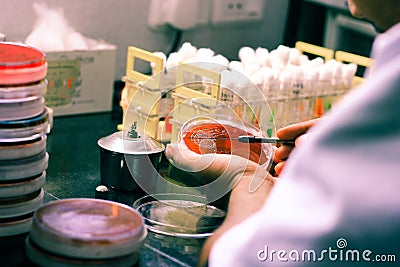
(126, 22)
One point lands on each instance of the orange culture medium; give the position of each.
(215, 138)
(15, 56)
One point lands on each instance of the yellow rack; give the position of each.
(327, 54)
(197, 90)
(192, 69)
(191, 98)
(141, 94)
(323, 52)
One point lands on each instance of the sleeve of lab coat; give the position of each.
(338, 192)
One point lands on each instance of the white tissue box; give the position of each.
(80, 81)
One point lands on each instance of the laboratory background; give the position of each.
(91, 93)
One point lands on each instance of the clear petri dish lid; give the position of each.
(218, 134)
(179, 215)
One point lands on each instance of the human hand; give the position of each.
(249, 181)
(221, 171)
(295, 131)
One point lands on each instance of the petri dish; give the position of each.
(9, 229)
(179, 215)
(23, 91)
(21, 64)
(12, 207)
(19, 150)
(24, 130)
(216, 133)
(22, 187)
(17, 169)
(21, 108)
(85, 228)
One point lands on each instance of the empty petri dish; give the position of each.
(179, 215)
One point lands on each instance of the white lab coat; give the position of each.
(340, 187)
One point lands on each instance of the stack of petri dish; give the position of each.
(24, 123)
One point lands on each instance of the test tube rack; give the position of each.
(197, 91)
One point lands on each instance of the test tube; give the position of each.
(297, 105)
(323, 88)
(310, 91)
(282, 112)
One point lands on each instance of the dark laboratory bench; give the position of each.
(74, 172)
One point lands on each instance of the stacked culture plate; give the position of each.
(24, 123)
